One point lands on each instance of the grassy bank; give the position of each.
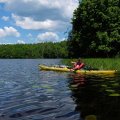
(100, 63)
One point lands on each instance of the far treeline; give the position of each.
(95, 29)
(40, 50)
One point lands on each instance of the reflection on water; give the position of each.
(26, 93)
(96, 96)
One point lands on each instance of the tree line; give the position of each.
(40, 50)
(95, 29)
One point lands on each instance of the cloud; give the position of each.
(42, 15)
(20, 42)
(6, 43)
(42, 9)
(29, 23)
(48, 37)
(9, 31)
(5, 18)
(4, 1)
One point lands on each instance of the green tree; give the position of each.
(95, 29)
(41, 50)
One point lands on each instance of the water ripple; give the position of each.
(27, 93)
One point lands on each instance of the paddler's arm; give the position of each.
(81, 65)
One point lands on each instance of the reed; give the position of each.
(100, 63)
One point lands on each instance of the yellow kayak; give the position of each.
(65, 69)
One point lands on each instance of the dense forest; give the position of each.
(95, 29)
(40, 50)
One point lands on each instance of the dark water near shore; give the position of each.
(26, 93)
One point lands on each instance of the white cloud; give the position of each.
(9, 31)
(29, 23)
(6, 43)
(43, 9)
(42, 15)
(5, 18)
(20, 42)
(3, 1)
(48, 37)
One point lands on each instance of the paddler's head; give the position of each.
(79, 59)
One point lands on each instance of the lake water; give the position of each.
(26, 93)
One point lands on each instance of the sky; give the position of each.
(35, 21)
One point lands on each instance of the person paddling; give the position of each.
(78, 65)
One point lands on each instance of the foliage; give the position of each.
(95, 29)
(41, 50)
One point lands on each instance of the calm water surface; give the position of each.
(26, 93)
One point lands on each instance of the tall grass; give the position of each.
(100, 63)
